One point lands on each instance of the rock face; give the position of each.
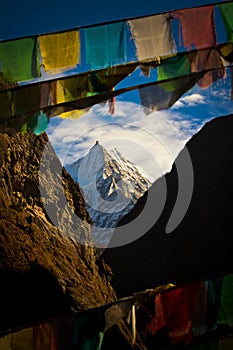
(47, 266)
(201, 245)
(111, 186)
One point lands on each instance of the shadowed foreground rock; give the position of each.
(44, 270)
(202, 243)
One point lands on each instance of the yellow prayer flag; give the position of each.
(75, 114)
(60, 51)
(62, 95)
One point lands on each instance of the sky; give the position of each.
(152, 141)
(26, 17)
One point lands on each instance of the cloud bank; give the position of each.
(152, 142)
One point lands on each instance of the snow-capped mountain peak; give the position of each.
(111, 186)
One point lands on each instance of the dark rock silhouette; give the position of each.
(202, 243)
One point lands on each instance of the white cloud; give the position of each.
(189, 101)
(178, 104)
(194, 98)
(152, 141)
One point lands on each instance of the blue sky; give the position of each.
(152, 142)
(27, 17)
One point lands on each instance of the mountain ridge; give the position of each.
(111, 185)
(201, 244)
(44, 269)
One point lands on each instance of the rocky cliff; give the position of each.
(47, 267)
(201, 245)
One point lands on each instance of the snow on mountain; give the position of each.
(111, 186)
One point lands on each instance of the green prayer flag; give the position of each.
(227, 16)
(6, 104)
(19, 59)
(88, 330)
(27, 100)
(175, 66)
(225, 315)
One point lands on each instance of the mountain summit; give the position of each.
(111, 186)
